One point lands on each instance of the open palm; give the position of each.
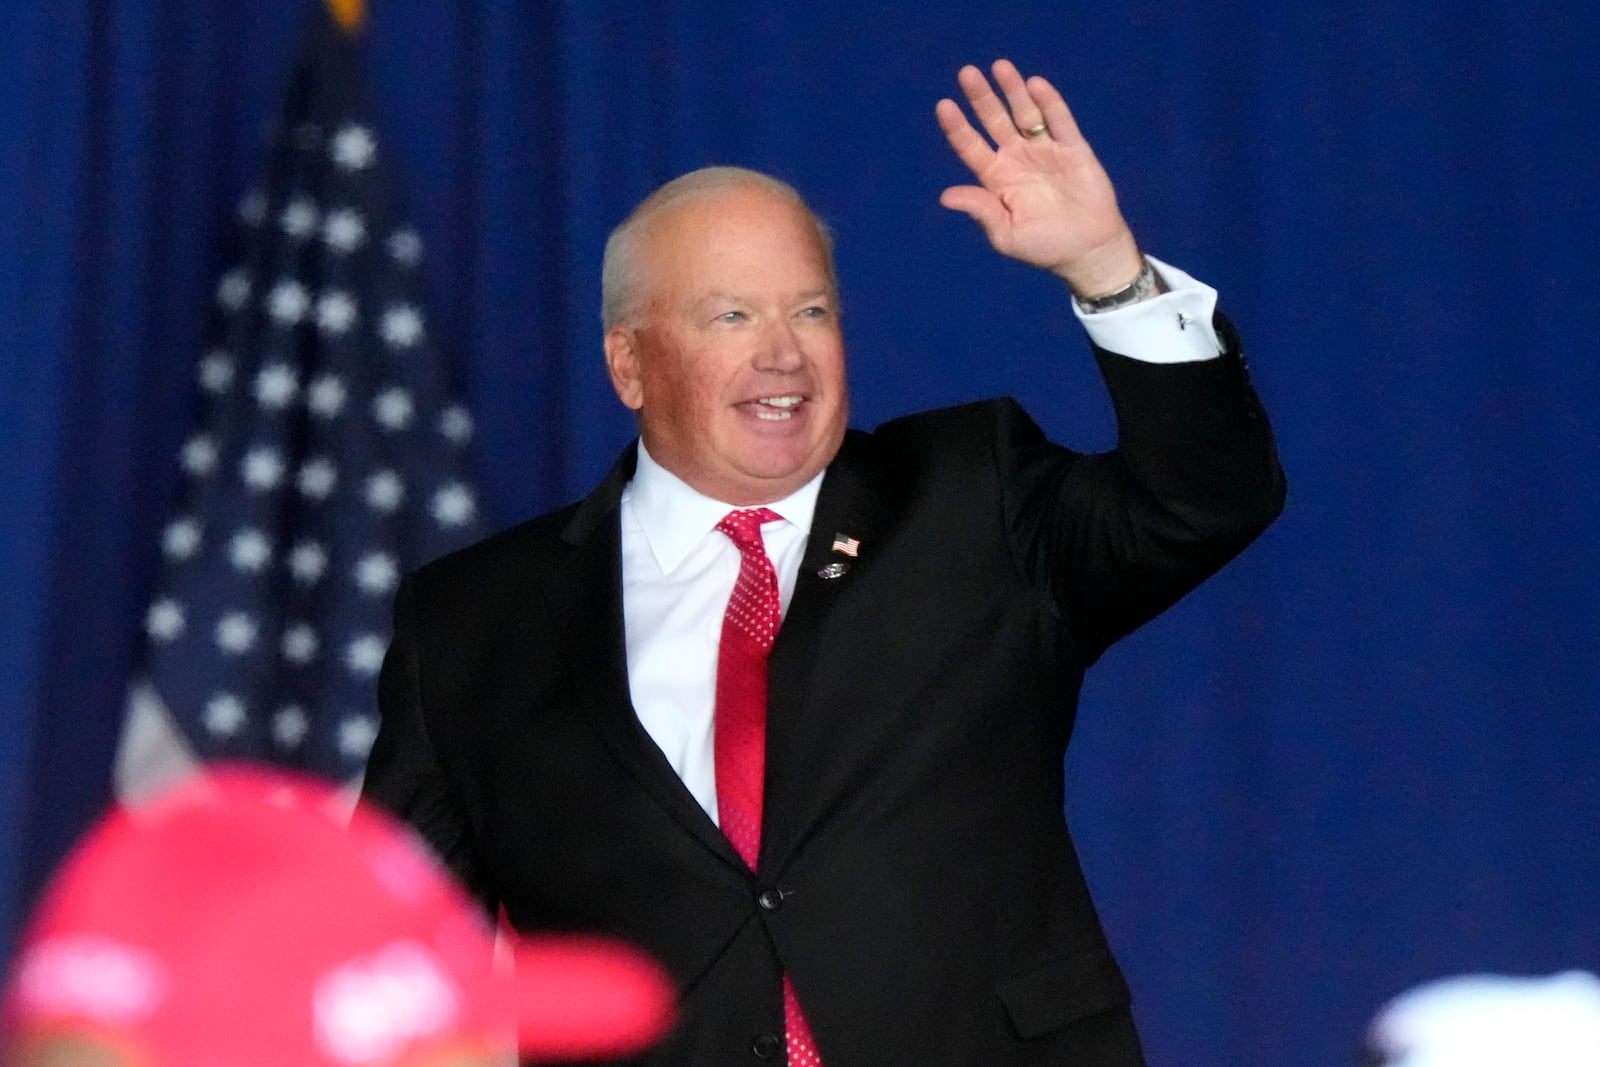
(1042, 196)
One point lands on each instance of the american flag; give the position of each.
(330, 454)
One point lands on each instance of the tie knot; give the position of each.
(743, 527)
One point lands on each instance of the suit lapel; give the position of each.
(585, 597)
(854, 502)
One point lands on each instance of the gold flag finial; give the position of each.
(348, 12)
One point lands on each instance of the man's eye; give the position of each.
(814, 312)
(731, 317)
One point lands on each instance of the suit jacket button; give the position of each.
(766, 1046)
(770, 900)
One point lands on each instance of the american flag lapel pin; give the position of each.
(844, 545)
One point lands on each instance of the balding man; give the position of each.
(786, 703)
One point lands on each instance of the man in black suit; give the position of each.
(909, 894)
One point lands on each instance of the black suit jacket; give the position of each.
(917, 879)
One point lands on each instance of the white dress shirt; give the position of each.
(678, 570)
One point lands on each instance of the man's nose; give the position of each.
(780, 349)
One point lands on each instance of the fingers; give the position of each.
(1028, 105)
(990, 109)
(1057, 116)
(1026, 114)
(969, 145)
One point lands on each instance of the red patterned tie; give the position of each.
(739, 740)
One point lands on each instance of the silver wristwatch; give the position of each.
(1143, 287)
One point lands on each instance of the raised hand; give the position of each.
(1042, 197)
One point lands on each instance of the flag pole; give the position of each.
(349, 14)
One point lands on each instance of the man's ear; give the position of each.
(622, 360)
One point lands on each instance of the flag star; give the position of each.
(262, 468)
(299, 217)
(164, 621)
(288, 302)
(455, 424)
(236, 633)
(290, 725)
(453, 505)
(308, 562)
(199, 455)
(276, 386)
(364, 655)
(225, 714)
(343, 230)
(336, 312)
(377, 573)
(249, 551)
(233, 291)
(253, 207)
(354, 147)
(216, 371)
(326, 396)
(181, 538)
(406, 246)
(392, 408)
(385, 491)
(356, 735)
(317, 478)
(402, 326)
(299, 644)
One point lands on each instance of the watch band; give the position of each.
(1142, 287)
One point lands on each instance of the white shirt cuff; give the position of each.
(1174, 327)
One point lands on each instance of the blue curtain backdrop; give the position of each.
(1363, 756)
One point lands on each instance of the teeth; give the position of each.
(776, 408)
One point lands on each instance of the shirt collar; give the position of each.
(674, 517)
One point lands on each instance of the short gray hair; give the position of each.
(620, 270)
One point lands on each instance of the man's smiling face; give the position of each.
(735, 360)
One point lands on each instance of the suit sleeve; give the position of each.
(1116, 538)
(404, 771)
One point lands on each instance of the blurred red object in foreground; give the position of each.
(239, 919)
